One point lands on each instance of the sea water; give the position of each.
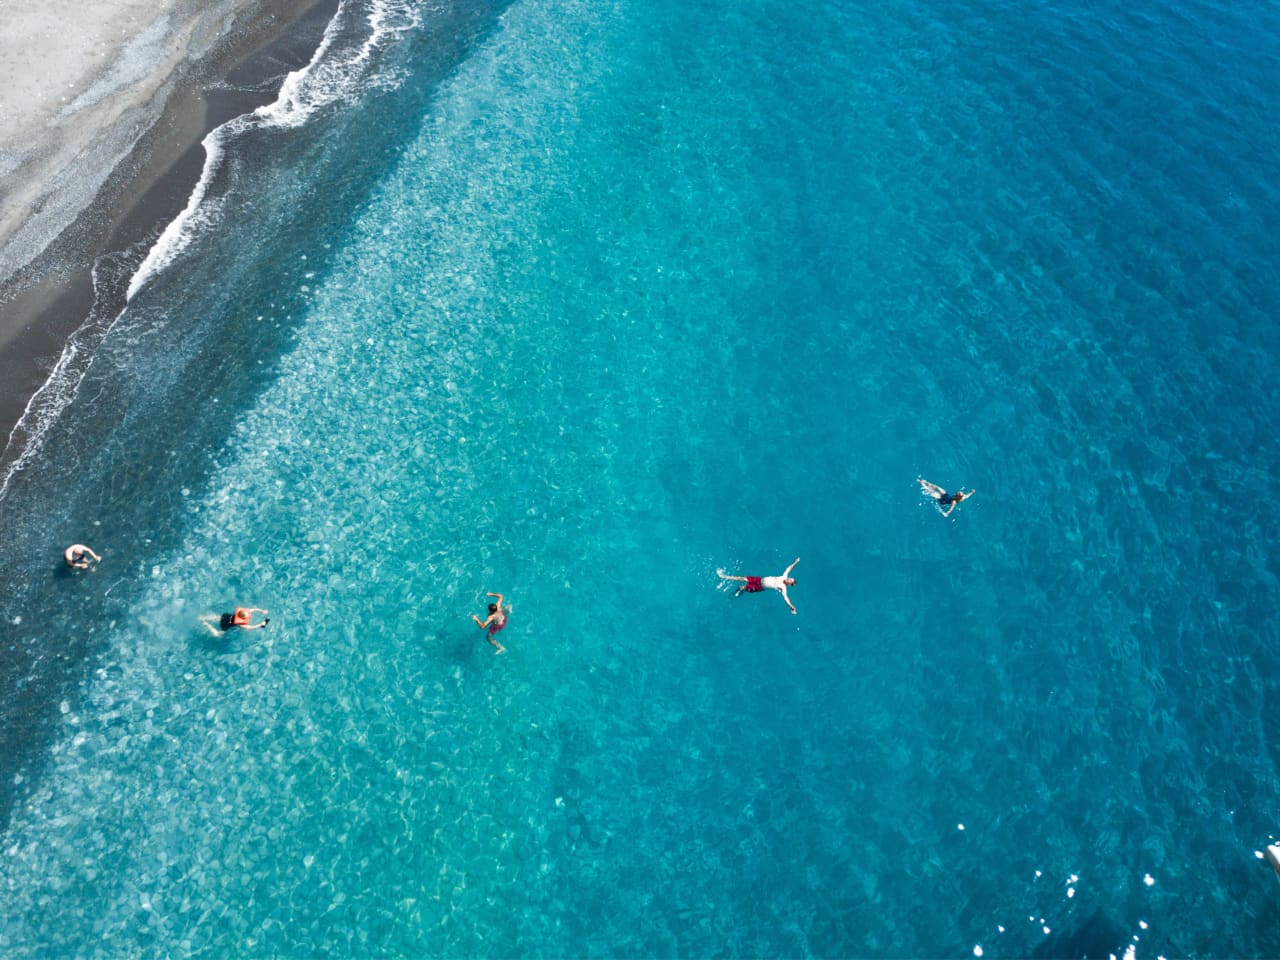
(580, 302)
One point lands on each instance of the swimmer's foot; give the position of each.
(501, 649)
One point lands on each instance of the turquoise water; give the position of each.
(581, 302)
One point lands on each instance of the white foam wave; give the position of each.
(28, 434)
(177, 235)
(323, 81)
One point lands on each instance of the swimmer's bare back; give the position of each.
(77, 556)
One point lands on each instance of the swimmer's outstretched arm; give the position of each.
(787, 572)
(255, 626)
(963, 496)
(499, 596)
(783, 590)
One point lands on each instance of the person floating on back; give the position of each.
(241, 618)
(495, 621)
(760, 584)
(941, 498)
(77, 556)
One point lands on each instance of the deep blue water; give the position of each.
(581, 302)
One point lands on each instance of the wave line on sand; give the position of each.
(323, 81)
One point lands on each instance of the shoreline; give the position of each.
(47, 290)
(46, 307)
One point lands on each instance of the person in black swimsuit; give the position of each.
(941, 498)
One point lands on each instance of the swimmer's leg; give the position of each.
(931, 489)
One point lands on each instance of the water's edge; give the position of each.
(55, 297)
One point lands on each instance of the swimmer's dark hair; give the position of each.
(493, 608)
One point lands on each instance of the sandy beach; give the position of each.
(102, 112)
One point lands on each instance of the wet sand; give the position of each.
(147, 81)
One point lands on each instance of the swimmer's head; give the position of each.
(493, 608)
(790, 581)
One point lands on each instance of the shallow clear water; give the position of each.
(588, 302)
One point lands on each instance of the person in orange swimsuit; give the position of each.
(242, 618)
(760, 584)
(495, 621)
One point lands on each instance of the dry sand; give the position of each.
(80, 82)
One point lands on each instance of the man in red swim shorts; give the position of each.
(760, 584)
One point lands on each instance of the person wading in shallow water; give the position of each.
(941, 498)
(495, 621)
(77, 556)
(241, 618)
(760, 584)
